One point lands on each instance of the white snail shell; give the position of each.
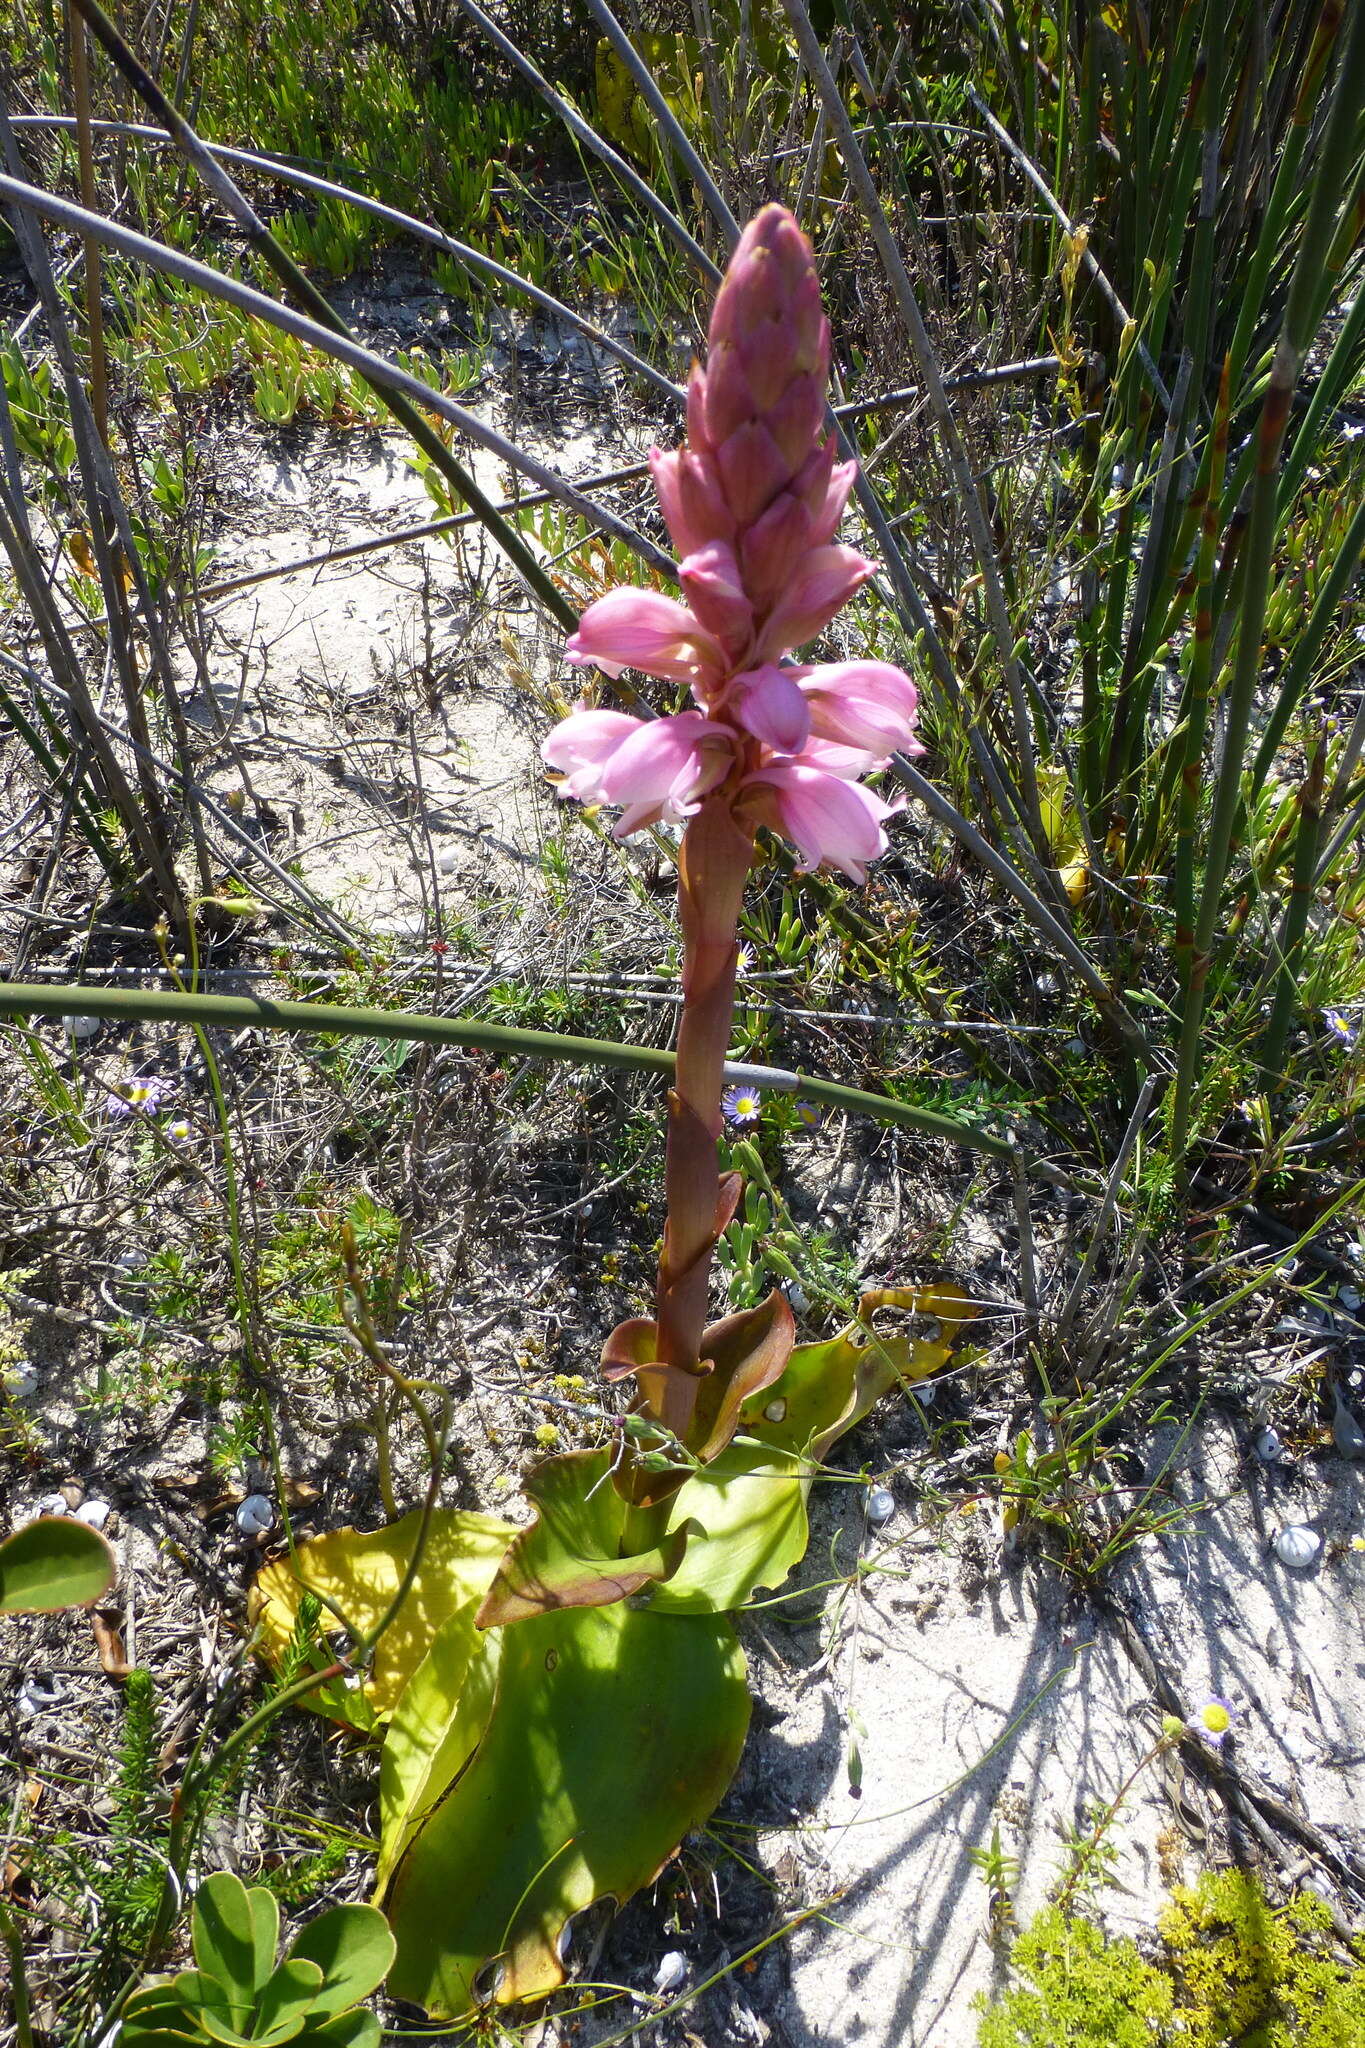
(1297, 1545)
(255, 1515)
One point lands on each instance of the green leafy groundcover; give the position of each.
(240, 1996)
(1234, 1971)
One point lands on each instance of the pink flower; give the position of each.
(693, 503)
(665, 768)
(768, 702)
(656, 768)
(825, 816)
(821, 584)
(866, 704)
(643, 629)
(580, 745)
(753, 502)
(716, 593)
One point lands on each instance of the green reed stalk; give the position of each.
(1294, 922)
(1196, 709)
(1318, 235)
(1298, 670)
(1178, 185)
(950, 438)
(1342, 362)
(1284, 190)
(1272, 240)
(126, 1006)
(1141, 679)
(1088, 758)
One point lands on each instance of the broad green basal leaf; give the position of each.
(230, 1945)
(54, 1562)
(285, 2000)
(361, 1573)
(157, 2017)
(744, 1515)
(747, 1527)
(829, 1387)
(735, 1525)
(613, 1732)
(570, 1556)
(346, 2030)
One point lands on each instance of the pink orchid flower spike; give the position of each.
(753, 501)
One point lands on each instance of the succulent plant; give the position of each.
(239, 1995)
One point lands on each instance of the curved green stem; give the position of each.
(126, 1006)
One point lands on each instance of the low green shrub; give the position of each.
(1234, 1971)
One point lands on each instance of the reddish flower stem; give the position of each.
(713, 864)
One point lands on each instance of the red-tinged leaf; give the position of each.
(668, 1392)
(747, 1352)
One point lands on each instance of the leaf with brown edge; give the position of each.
(747, 1352)
(727, 1202)
(942, 1299)
(569, 1555)
(631, 1344)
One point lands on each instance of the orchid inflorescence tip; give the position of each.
(753, 500)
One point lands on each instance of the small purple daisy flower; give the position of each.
(1341, 1027)
(144, 1092)
(1212, 1720)
(809, 1114)
(741, 1105)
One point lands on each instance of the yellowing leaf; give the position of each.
(942, 1299)
(361, 1573)
(81, 553)
(1063, 829)
(1075, 879)
(436, 1727)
